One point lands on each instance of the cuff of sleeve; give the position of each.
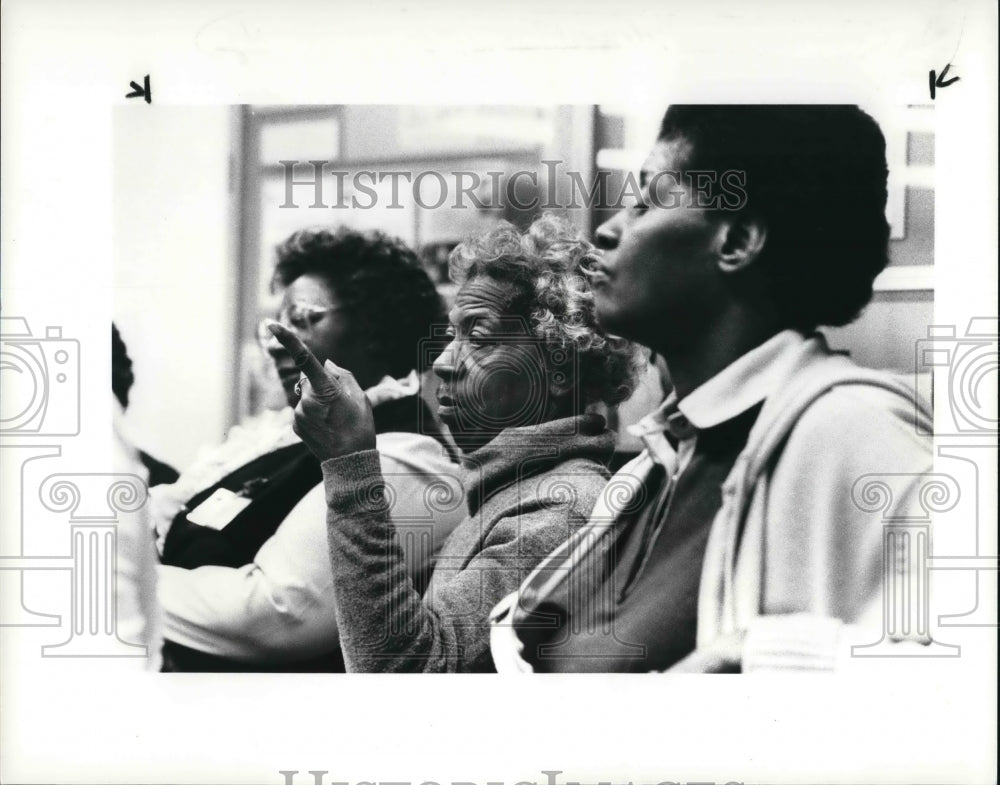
(355, 482)
(793, 642)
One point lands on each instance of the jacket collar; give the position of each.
(736, 388)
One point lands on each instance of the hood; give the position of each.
(518, 453)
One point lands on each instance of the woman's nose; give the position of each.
(608, 233)
(271, 344)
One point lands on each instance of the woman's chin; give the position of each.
(606, 311)
(448, 415)
(466, 439)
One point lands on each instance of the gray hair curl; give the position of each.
(547, 263)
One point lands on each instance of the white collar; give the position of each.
(742, 384)
(389, 389)
(739, 386)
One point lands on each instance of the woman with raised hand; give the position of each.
(523, 362)
(245, 582)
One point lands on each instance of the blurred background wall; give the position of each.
(175, 274)
(202, 198)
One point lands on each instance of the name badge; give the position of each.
(219, 509)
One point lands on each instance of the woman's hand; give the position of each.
(333, 416)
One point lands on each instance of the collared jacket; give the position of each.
(797, 552)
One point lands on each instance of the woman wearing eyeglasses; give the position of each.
(246, 582)
(520, 365)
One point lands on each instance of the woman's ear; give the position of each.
(742, 241)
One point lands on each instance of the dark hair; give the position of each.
(379, 281)
(121, 368)
(816, 177)
(544, 265)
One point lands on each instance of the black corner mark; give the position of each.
(141, 92)
(937, 80)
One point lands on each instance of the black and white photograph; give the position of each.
(633, 371)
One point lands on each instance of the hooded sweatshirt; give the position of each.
(527, 491)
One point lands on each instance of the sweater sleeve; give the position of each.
(853, 465)
(384, 623)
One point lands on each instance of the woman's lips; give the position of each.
(446, 405)
(599, 276)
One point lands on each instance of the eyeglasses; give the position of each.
(298, 317)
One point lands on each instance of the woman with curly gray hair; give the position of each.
(525, 338)
(522, 363)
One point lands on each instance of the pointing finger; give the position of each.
(348, 384)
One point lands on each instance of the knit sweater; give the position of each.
(794, 560)
(526, 491)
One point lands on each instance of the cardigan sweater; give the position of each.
(612, 616)
(794, 559)
(526, 491)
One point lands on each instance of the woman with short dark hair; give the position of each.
(736, 540)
